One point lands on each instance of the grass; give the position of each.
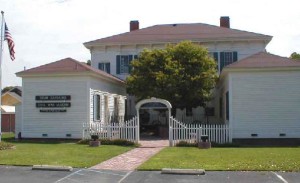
(221, 159)
(57, 153)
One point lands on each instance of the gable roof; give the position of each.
(263, 60)
(17, 90)
(14, 95)
(67, 65)
(178, 32)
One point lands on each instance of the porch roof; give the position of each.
(263, 60)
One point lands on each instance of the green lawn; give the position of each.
(258, 159)
(57, 153)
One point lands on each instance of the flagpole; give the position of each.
(1, 53)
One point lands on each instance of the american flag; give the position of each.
(10, 42)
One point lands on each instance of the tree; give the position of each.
(183, 74)
(88, 62)
(295, 56)
(6, 89)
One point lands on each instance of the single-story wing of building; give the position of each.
(59, 97)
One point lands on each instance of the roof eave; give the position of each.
(253, 69)
(59, 74)
(265, 38)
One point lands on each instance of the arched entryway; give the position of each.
(152, 104)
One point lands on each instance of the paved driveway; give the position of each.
(11, 174)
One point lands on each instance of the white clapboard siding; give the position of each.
(18, 119)
(266, 104)
(102, 54)
(55, 125)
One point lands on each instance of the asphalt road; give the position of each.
(13, 174)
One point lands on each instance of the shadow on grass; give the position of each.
(9, 137)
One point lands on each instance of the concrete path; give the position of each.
(132, 159)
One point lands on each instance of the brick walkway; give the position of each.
(134, 158)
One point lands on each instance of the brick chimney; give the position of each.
(134, 25)
(225, 22)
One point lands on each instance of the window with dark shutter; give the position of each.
(227, 58)
(104, 67)
(118, 64)
(101, 66)
(124, 63)
(107, 68)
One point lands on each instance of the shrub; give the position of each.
(119, 142)
(213, 144)
(4, 146)
(186, 144)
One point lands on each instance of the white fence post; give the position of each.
(170, 131)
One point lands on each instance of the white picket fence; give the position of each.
(127, 130)
(192, 133)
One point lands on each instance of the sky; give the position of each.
(45, 31)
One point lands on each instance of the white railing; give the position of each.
(127, 130)
(192, 133)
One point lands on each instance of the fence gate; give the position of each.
(192, 133)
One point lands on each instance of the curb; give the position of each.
(52, 168)
(183, 171)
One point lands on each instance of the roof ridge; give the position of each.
(161, 32)
(79, 67)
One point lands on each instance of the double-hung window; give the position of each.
(97, 110)
(227, 58)
(104, 67)
(123, 63)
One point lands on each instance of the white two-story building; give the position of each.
(257, 93)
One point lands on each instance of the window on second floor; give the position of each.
(123, 63)
(227, 58)
(104, 67)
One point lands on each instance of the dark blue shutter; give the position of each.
(129, 62)
(216, 56)
(118, 64)
(107, 66)
(227, 105)
(235, 56)
(222, 60)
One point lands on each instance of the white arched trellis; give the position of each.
(151, 100)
